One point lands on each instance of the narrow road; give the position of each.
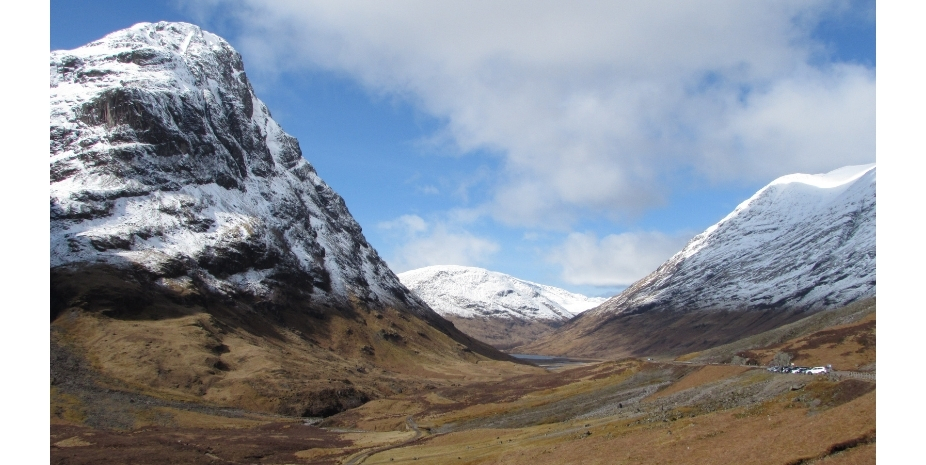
(866, 375)
(409, 421)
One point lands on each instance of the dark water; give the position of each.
(547, 361)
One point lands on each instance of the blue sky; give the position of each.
(577, 146)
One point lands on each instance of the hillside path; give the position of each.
(410, 421)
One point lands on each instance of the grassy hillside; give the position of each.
(118, 333)
(843, 337)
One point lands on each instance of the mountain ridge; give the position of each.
(801, 244)
(842, 193)
(493, 288)
(495, 307)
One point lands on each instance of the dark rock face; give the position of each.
(328, 402)
(163, 159)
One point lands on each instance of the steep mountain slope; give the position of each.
(494, 307)
(195, 252)
(801, 244)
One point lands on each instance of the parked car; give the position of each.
(799, 370)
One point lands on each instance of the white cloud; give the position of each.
(424, 244)
(812, 122)
(406, 224)
(616, 259)
(428, 190)
(593, 105)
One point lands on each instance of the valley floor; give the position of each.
(695, 409)
(628, 411)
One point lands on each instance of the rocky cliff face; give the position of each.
(801, 244)
(195, 252)
(162, 157)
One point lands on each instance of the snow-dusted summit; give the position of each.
(801, 242)
(469, 292)
(162, 157)
(499, 309)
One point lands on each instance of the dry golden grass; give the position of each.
(687, 357)
(194, 358)
(845, 347)
(830, 326)
(312, 455)
(367, 439)
(811, 423)
(784, 435)
(704, 375)
(526, 396)
(861, 455)
(73, 441)
(66, 408)
(380, 415)
(187, 419)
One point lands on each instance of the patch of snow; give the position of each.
(186, 43)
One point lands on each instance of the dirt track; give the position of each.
(359, 458)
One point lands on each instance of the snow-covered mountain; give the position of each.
(163, 157)
(470, 292)
(495, 307)
(177, 202)
(803, 241)
(800, 244)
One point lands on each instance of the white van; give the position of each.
(817, 370)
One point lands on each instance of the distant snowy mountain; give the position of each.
(492, 301)
(802, 243)
(470, 292)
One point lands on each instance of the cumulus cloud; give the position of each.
(616, 259)
(809, 123)
(425, 244)
(593, 105)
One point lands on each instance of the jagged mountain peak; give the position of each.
(162, 157)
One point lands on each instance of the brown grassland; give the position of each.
(491, 412)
